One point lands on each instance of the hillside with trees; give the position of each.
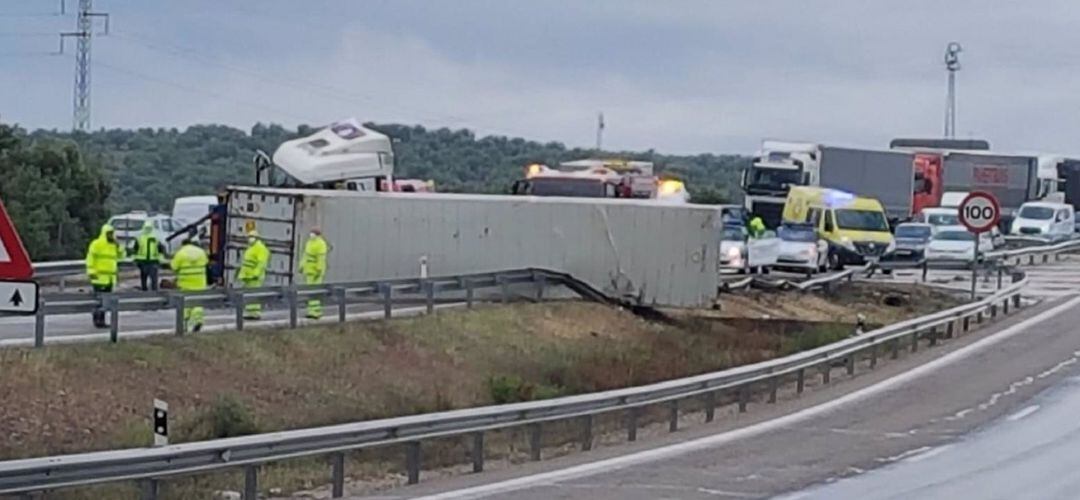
(146, 169)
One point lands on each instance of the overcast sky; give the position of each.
(678, 76)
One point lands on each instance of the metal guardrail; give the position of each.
(153, 464)
(387, 293)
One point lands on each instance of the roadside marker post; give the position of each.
(161, 423)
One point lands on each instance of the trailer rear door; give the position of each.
(274, 216)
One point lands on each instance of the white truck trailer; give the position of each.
(653, 254)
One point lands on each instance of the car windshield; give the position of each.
(585, 188)
(861, 220)
(127, 224)
(921, 232)
(954, 236)
(1036, 213)
(804, 234)
(943, 219)
(733, 233)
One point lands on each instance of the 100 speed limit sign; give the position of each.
(980, 212)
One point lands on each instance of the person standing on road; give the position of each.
(189, 264)
(253, 271)
(149, 254)
(757, 227)
(313, 266)
(102, 265)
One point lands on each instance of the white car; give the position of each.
(733, 247)
(128, 227)
(944, 217)
(801, 249)
(1044, 219)
(956, 243)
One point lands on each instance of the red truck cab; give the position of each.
(928, 182)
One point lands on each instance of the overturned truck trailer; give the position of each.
(653, 254)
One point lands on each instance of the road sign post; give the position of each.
(979, 213)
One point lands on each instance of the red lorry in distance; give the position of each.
(929, 185)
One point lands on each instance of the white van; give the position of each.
(1044, 219)
(192, 208)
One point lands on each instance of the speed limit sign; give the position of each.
(980, 212)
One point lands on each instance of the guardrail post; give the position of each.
(39, 323)
(873, 355)
(114, 319)
(967, 324)
(1005, 307)
(979, 317)
(1016, 300)
(744, 397)
(291, 298)
(478, 452)
(541, 282)
(915, 341)
(826, 373)
(388, 299)
(1001, 274)
(337, 475)
(993, 310)
(178, 303)
(586, 432)
(774, 387)
(429, 292)
(925, 269)
(150, 489)
(505, 287)
(673, 415)
(895, 349)
(950, 328)
(851, 364)
(251, 482)
(412, 461)
(534, 441)
(631, 423)
(339, 294)
(1031, 260)
(1045, 258)
(933, 336)
(239, 303)
(710, 406)
(800, 380)
(468, 293)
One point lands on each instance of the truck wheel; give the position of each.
(834, 262)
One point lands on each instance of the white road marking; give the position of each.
(931, 453)
(906, 454)
(1023, 413)
(683, 448)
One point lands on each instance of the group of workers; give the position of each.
(189, 264)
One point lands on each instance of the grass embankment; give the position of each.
(66, 399)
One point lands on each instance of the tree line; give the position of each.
(65, 184)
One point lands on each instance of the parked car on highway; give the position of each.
(1045, 220)
(940, 217)
(801, 249)
(129, 225)
(1076, 222)
(956, 243)
(911, 241)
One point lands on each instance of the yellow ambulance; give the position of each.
(855, 227)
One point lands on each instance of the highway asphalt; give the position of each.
(926, 408)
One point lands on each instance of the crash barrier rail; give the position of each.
(388, 293)
(151, 465)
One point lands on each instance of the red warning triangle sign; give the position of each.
(14, 261)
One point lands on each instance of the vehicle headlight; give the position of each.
(891, 247)
(846, 243)
(734, 253)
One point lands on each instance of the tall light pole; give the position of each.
(952, 64)
(599, 130)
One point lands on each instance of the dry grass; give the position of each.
(98, 396)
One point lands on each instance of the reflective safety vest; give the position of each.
(256, 258)
(314, 261)
(147, 250)
(103, 259)
(189, 264)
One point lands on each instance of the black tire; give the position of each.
(834, 262)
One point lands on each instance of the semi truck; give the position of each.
(341, 179)
(638, 250)
(902, 181)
